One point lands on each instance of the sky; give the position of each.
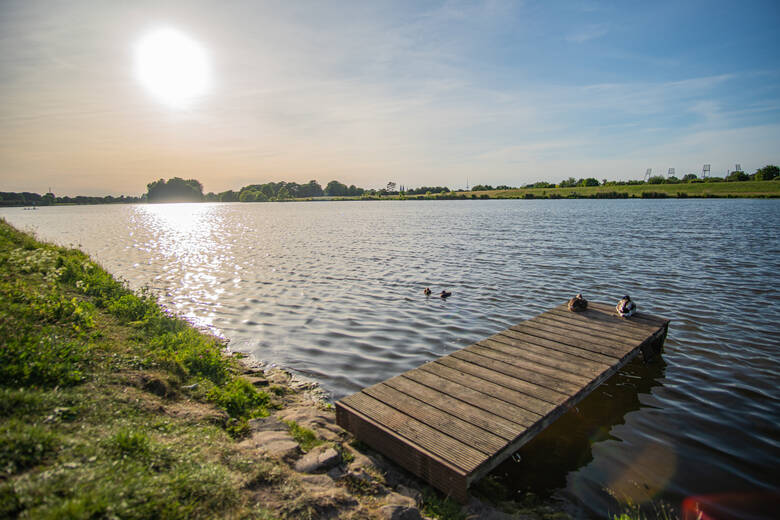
(415, 92)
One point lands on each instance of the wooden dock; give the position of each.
(453, 420)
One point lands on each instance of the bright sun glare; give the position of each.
(172, 66)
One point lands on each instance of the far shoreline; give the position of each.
(769, 189)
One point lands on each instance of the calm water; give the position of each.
(334, 291)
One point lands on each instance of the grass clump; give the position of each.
(435, 506)
(305, 437)
(129, 443)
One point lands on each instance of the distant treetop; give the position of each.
(174, 190)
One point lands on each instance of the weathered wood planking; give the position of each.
(453, 420)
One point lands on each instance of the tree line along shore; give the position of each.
(763, 183)
(112, 407)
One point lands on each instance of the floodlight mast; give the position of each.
(738, 168)
(670, 173)
(705, 170)
(648, 173)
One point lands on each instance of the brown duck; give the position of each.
(578, 303)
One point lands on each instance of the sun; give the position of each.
(172, 66)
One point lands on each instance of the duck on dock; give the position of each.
(626, 307)
(445, 294)
(578, 303)
(427, 291)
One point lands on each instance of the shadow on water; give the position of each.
(542, 465)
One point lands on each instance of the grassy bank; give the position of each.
(109, 406)
(748, 189)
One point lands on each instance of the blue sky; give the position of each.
(420, 93)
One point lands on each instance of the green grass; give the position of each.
(305, 437)
(699, 189)
(88, 372)
(436, 506)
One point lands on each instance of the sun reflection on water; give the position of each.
(184, 239)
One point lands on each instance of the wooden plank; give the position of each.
(456, 360)
(545, 356)
(592, 326)
(488, 386)
(499, 408)
(610, 319)
(474, 415)
(578, 333)
(530, 374)
(449, 425)
(529, 342)
(550, 366)
(446, 448)
(570, 338)
(554, 342)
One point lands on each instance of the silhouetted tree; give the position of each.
(336, 189)
(174, 190)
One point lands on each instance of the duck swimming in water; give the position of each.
(427, 291)
(578, 303)
(445, 294)
(626, 307)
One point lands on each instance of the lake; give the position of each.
(334, 291)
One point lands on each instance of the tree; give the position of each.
(312, 189)
(767, 173)
(689, 177)
(590, 181)
(228, 196)
(568, 183)
(737, 175)
(656, 179)
(248, 196)
(174, 190)
(336, 189)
